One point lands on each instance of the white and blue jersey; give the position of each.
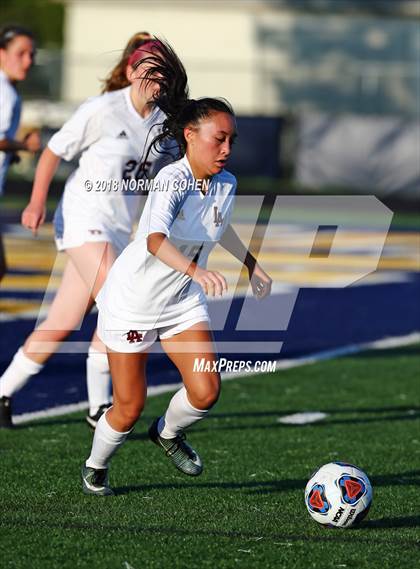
(111, 139)
(10, 109)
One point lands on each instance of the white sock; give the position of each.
(179, 415)
(98, 380)
(105, 444)
(20, 370)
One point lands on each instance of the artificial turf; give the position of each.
(247, 508)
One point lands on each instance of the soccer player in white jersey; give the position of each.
(17, 51)
(94, 223)
(156, 288)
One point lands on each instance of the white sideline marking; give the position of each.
(302, 418)
(383, 344)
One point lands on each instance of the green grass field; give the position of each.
(247, 508)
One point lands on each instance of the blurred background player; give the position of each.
(111, 132)
(155, 288)
(17, 51)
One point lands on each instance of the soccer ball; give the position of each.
(338, 495)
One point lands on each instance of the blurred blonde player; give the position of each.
(94, 219)
(157, 287)
(17, 52)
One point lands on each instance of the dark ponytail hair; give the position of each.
(165, 68)
(116, 78)
(188, 113)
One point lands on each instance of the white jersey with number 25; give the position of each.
(111, 138)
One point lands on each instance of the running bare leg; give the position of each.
(62, 318)
(98, 378)
(71, 302)
(201, 389)
(192, 402)
(129, 385)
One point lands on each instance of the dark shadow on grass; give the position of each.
(406, 413)
(318, 425)
(322, 535)
(134, 436)
(254, 487)
(411, 478)
(390, 523)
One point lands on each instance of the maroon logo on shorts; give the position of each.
(134, 336)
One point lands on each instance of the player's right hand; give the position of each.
(33, 216)
(212, 282)
(32, 141)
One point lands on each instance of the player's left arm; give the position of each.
(31, 142)
(212, 282)
(260, 281)
(160, 211)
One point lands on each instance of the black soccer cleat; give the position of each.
(95, 481)
(92, 420)
(6, 413)
(180, 453)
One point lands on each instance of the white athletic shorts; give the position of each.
(120, 336)
(71, 233)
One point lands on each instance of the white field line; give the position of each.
(302, 418)
(384, 344)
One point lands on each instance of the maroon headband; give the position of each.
(148, 46)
